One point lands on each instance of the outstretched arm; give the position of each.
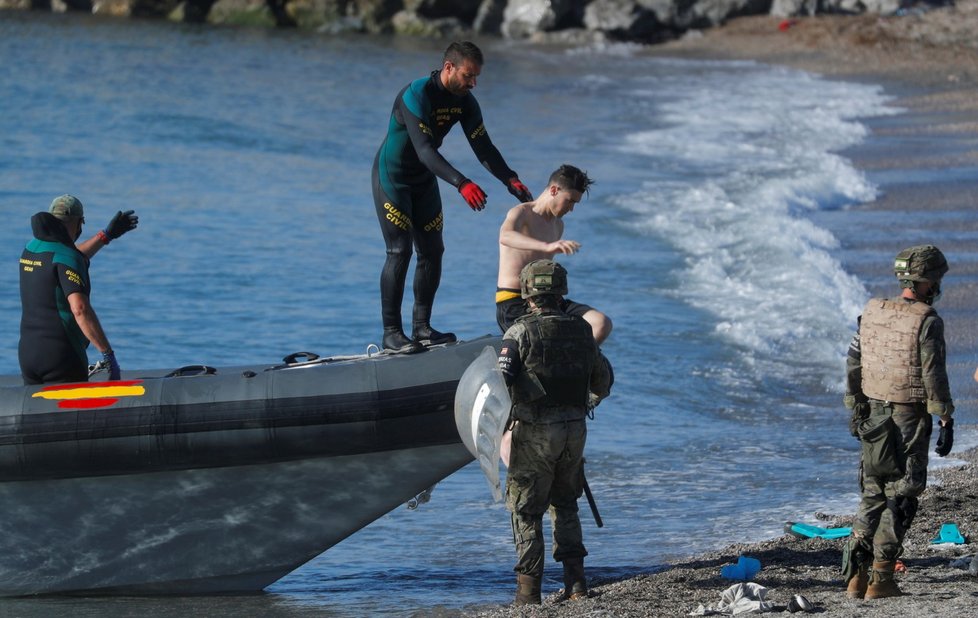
(481, 144)
(121, 223)
(411, 105)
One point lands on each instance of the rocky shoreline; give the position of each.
(932, 585)
(572, 22)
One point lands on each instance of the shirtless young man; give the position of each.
(533, 231)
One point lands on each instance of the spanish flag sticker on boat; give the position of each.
(91, 394)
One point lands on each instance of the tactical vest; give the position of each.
(560, 359)
(890, 352)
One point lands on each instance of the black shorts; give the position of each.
(509, 308)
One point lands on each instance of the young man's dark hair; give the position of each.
(570, 177)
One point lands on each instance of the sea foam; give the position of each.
(731, 176)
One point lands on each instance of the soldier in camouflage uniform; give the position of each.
(896, 378)
(552, 367)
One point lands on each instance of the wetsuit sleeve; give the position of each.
(487, 153)
(933, 366)
(854, 372)
(72, 279)
(412, 106)
(510, 363)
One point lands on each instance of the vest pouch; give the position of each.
(881, 441)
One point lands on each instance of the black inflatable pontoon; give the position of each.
(207, 481)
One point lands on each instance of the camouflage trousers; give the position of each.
(889, 501)
(546, 473)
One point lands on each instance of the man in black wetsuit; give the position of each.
(57, 322)
(405, 187)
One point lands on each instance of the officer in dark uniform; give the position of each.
(896, 379)
(57, 321)
(552, 367)
(405, 187)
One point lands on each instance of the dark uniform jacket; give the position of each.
(52, 346)
(551, 363)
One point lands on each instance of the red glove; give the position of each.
(518, 190)
(473, 194)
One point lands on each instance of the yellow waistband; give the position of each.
(504, 295)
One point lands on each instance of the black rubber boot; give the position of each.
(397, 342)
(575, 584)
(527, 590)
(426, 335)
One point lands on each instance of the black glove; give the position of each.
(518, 190)
(946, 440)
(114, 372)
(121, 223)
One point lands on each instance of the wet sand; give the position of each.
(929, 62)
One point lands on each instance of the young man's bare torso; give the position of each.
(534, 230)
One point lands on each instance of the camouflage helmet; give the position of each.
(920, 263)
(541, 277)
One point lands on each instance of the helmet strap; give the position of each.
(933, 292)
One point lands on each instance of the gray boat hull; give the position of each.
(218, 483)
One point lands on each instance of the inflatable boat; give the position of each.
(205, 480)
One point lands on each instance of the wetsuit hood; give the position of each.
(47, 227)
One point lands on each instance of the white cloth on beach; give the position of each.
(738, 599)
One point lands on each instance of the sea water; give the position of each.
(710, 238)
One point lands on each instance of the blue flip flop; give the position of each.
(745, 569)
(949, 534)
(808, 531)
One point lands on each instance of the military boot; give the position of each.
(527, 590)
(858, 584)
(575, 585)
(881, 583)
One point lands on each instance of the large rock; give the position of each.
(654, 21)
(489, 18)
(625, 20)
(82, 6)
(152, 8)
(196, 11)
(524, 17)
(242, 12)
(570, 37)
(464, 10)
(709, 13)
(411, 24)
(793, 8)
(883, 7)
(377, 15)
